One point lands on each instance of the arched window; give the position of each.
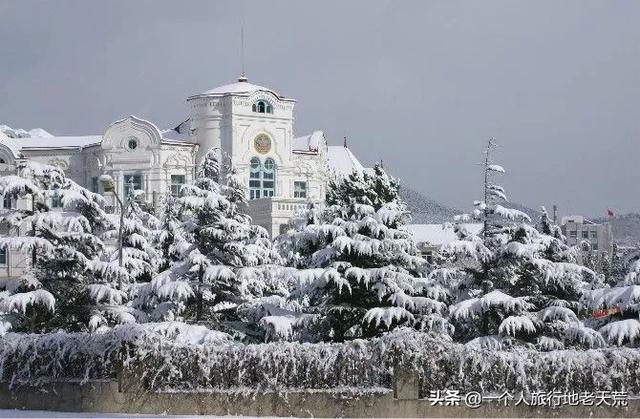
(262, 106)
(269, 177)
(255, 182)
(262, 178)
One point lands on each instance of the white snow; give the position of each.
(495, 168)
(17, 144)
(19, 302)
(39, 132)
(475, 306)
(622, 297)
(308, 143)
(514, 324)
(622, 331)
(342, 161)
(21, 133)
(387, 315)
(439, 234)
(237, 88)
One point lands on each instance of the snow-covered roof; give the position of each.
(342, 162)
(438, 234)
(21, 133)
(241, 87)
(309, 142)
(18, 144)
(39, 132)
(43, 140)
(173, 135)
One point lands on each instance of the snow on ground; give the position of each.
(51, 414)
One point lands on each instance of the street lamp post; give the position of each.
(108, 185)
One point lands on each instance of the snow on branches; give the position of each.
(360, 273)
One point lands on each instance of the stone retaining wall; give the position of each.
(127, 395)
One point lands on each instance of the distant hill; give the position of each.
(626, 228)
(425, 210)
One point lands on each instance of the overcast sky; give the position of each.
(421, 85)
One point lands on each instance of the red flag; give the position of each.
(598, 314)
(610, 213)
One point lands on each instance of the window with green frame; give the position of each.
(262, 106)
(299, 189)
(176, 184)
(262, 178)
(56, 200)
(95, 188)
(132, 179)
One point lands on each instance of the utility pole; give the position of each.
(485, 210)
(108, 185)
(33, 229)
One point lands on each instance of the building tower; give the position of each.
(242, 120)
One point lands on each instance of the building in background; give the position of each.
(430, 237)
(588, 236)
(251, 127)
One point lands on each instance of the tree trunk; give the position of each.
(199, 304)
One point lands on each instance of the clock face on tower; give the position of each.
(262, 143)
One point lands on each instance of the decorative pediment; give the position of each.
(178, 160)
(59, 163)
(131, 134)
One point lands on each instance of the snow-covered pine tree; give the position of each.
(63, 221)
(617, 309)
(514, 283)
(170, 235)
(310, 232)
(125, 266)
(20, 297)
(550, 278)
(222, 252)
(483, 271)
(363, 272)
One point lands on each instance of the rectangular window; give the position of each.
(56, 200)
(299, 189)
(594, 234)
(429, 256)
(94, 185)
(3, 256)
(573, 234)
(6, 202)
(585, 234)
(594, 246)
(176, 183)
(136, 180)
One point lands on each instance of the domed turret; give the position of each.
(221, 117)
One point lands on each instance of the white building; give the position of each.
(591, 237)
(429, 238)
(251, 126)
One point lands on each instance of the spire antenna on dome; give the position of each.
(243, 77)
